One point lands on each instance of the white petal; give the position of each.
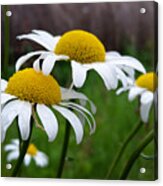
(36, 65)
(108, 74)
(41, 159)
(129, 62)
(43, 56)
(24, 119)
(130, 81)
(123, 89)
(82, 116)
(49, 38)
(38, 39)
(3, 85)
(61, 57)
(56, 40)
(48, 120)
(10, 147)
(81, 109)
(68, 94)
(13, 155)
(144, 111)
(130, 72)
(146, 97)
(73, 120)
(6, 97)
(48, 64)
(27, 159)
(134, 92)
(112, 54)
(79, 73)
(26, 57)
(9, 113)
(122, 77)
(15, 142)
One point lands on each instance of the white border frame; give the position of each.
(70, 182)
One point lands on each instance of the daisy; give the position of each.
(144, 87)
(85, 52)
(32, 94)
(40, 158)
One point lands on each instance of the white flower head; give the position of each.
(39, 157)
(85, 52)
(29, 93)
(145, 87)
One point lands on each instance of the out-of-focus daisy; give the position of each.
(85, 52)
(145, 87)
(32, 94)
(40, 158)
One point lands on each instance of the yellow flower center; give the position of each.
(34, 87)
(32, 150)
(148, 81)
(81, 46)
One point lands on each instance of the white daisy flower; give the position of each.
(145, 87)
(85, 52)
(32, 94)
(40, 158)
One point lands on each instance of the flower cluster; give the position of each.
(144, 86)
(34, 94)
(40, 158)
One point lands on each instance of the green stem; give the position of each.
(147, 139)
(64, 150)
(124, 145)
(22, 153)
(19, 135)
(6, 40)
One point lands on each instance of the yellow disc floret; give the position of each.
(34, 87)
(32, 149)
(148, 81)
(81, 46)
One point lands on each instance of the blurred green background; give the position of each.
(115, 116)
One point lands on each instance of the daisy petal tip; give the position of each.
(50, 140)
(130, 98)
(145, 122)
(79, 138)
(24, 138)
(142, 69)
(94, 110)
(78, 141)
(92, 131)
(19, 37)
(77, 85)
(34, 30)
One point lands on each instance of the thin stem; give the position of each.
(64, 150)
(22, 153)
(147, 139)
(123, 147)
(6, 41)
(19, 135)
